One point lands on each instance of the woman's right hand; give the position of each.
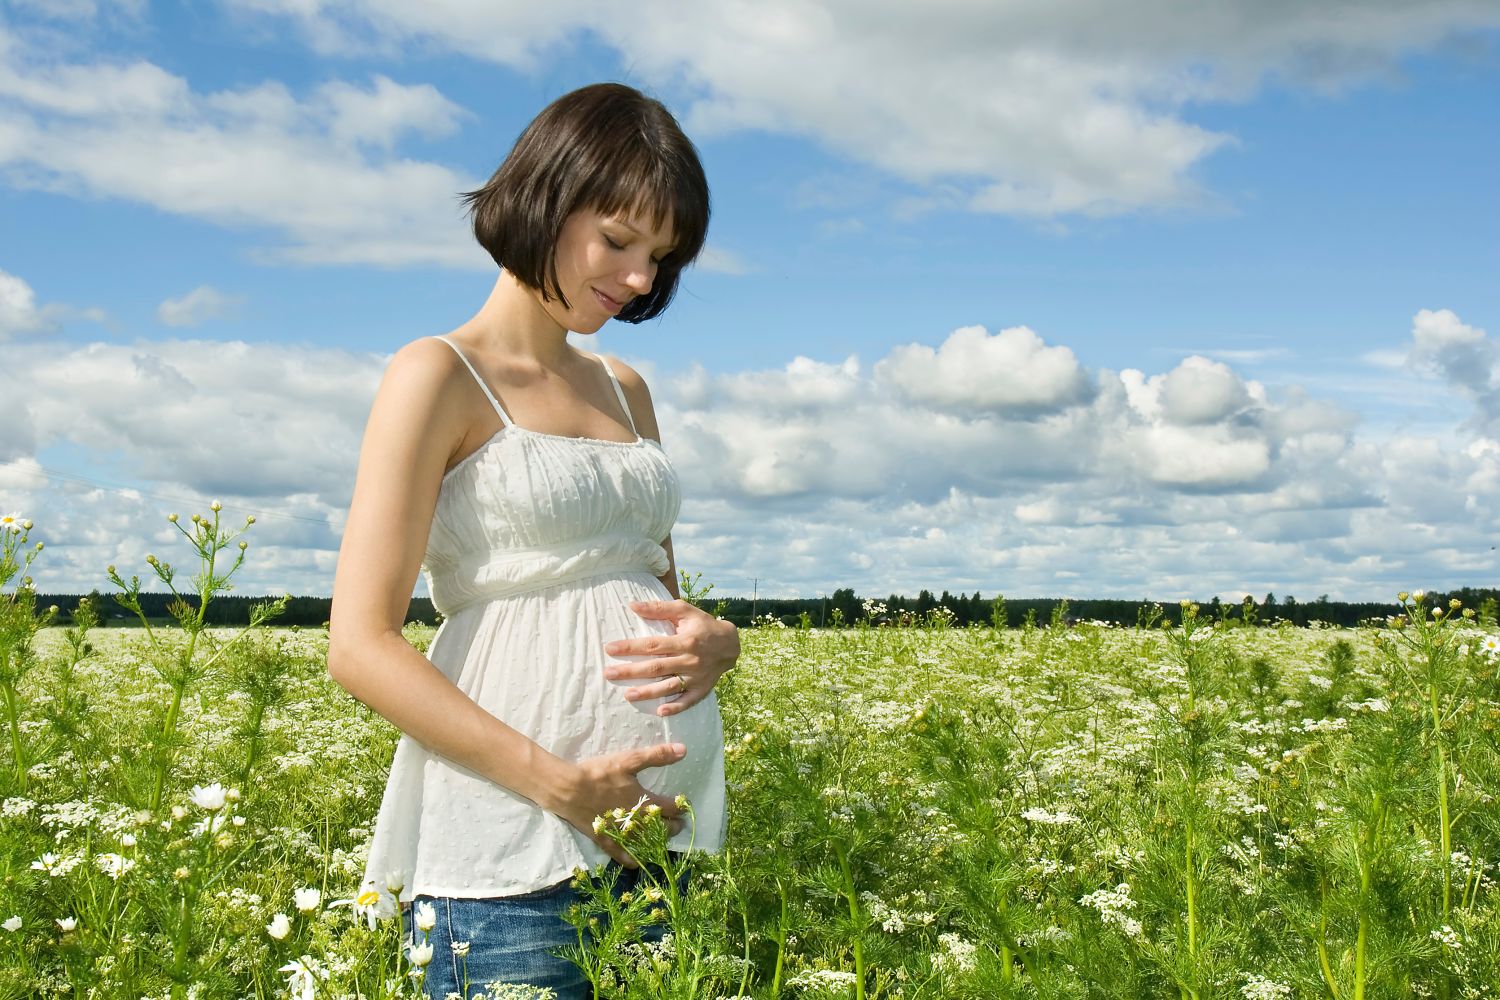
(609, 781)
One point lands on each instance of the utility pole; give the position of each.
(754, 593)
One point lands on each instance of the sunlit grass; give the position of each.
(1213, 810)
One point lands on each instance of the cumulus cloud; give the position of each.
(1185, 482)
(813, 475)
(210, 418)
(1032, 110)
(1465, 357)
(269, 429)
(21, 314)
(996, 415)
(319, 168)
(201, 304)
(1011, 372)
(18, 309)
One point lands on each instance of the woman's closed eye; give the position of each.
(617, 246)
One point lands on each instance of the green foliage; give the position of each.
(696, 593)
(1192, 808)
(999, 615)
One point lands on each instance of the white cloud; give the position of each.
(1179, 483)
(1034, 110)
(1212, 457)
(318, 169)
(1010, 372)
(721, 261)
(202, 303)
(1200, 391)
(269, 429)
(807, 477)
(18, 309)
(20, 314)
(1465, 357)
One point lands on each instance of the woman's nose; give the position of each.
(638, 277)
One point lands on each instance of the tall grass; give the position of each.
(917, 810)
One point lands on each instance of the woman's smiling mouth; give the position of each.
(610, 305)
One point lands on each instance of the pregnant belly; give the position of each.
(536, 662)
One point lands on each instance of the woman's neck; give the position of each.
(513, 322)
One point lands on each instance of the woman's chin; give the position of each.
(586, 327)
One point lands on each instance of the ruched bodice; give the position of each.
(538, 545)
(529, 510)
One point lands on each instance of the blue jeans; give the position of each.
(512, 939)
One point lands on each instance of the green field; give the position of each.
(1206, 810)
(926, 812)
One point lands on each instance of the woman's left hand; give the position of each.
(691, 661)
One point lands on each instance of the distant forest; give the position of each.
(844, 607)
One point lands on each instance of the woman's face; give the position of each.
(604, 261)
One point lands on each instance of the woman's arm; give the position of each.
(703, 648)
(669, 578)
(417, 425)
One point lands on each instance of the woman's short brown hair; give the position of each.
(606, 148)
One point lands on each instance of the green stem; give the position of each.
(180, 947)
(859, 949)
(782, 928)
(1192, 891)
(745, 929)
(1323, 963)
(1365, 854)
(1007, 974)
(1364, 930)
(1444, 822)
(168, 729)
(13, 716)
(257, 717)
(1190, 882)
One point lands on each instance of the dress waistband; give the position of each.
(457, 584)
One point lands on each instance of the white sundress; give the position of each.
(539, 543)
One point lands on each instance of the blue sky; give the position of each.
(1226, 278)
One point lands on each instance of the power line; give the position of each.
(99, 484)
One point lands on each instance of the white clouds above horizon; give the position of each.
(1465, 357)
(1076, 108)
(197, 306)
(318, 169)
(1010, 372)
(21, 314)
(1190, 481)
(1066, 108)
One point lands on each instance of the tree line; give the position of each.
(846, 608)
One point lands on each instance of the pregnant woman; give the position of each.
(524, 477)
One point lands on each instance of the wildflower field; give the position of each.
(1211, 809)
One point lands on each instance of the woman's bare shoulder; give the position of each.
(630, 379)
(423, 390)
(425, 355)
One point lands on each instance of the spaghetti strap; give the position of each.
(620, 394)
(499, 410)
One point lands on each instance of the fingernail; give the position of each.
(611, 647)
(679, 748)
(612, 673)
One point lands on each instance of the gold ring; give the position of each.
(682, 684)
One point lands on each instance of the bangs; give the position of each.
(649, 188)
